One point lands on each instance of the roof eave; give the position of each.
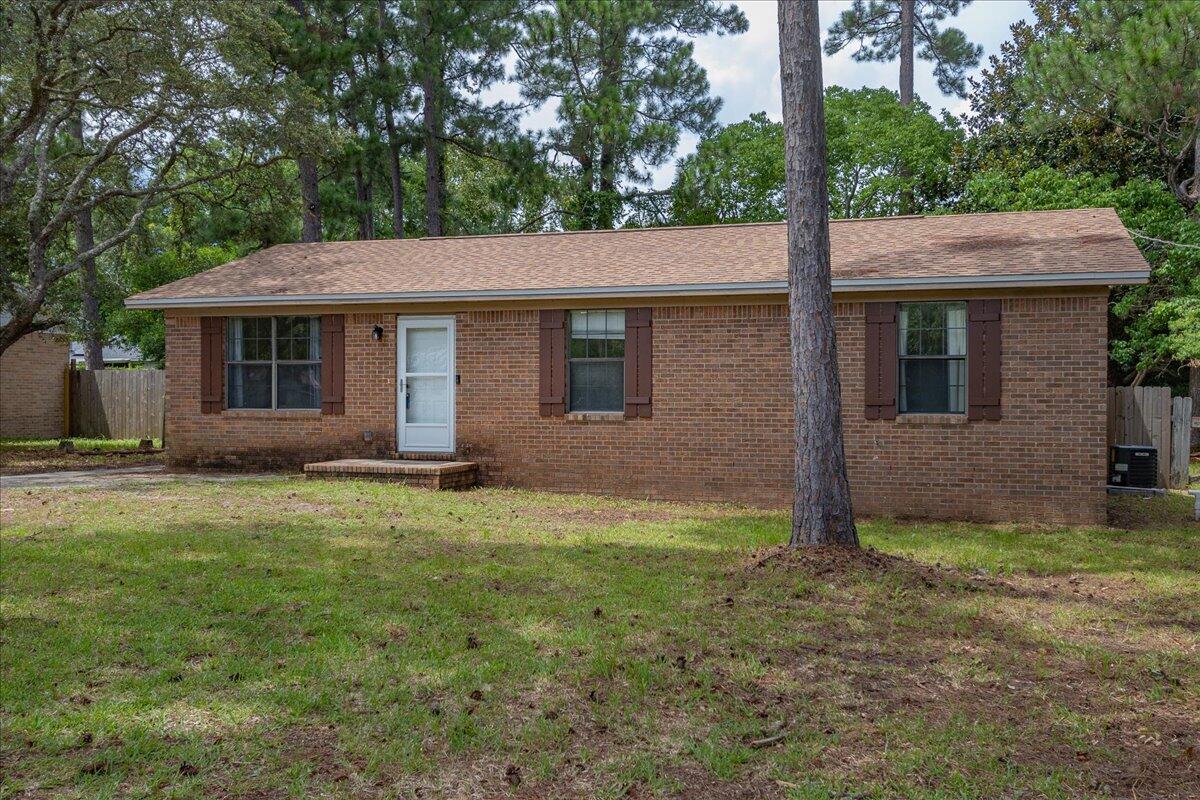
(1067, 279)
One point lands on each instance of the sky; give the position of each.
(743, 70)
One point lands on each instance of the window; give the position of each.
(273, 362)
(596, 361)
(933, 358)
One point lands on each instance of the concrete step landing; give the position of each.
(426, 474)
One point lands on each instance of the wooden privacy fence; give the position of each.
(1148, 415)
(117, 403)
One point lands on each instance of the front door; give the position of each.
(425, 367)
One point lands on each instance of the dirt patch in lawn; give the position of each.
(994, 675)
(31, 461)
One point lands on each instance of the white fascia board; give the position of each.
(1065, 279)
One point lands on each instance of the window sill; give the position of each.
(594, 416)
(931, 419)
(271, 412)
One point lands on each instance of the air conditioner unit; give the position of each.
(1133, 466)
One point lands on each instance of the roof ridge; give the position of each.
(760, 224)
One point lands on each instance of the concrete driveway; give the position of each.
(102, 478)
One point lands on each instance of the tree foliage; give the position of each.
(626, 84)
(877, 151)
(1134, 66)
(172, 95)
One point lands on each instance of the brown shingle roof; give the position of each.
(1038, 248)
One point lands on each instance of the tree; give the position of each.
(886, 158)
(877, 151)
(1006, 133)
(1134, 66)
(197, 97)
(885, 29)
(457, 49)
(735, 175)
(821, 511)
(626, 85)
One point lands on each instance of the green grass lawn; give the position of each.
(23, 456)
(285, 638)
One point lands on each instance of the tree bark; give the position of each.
(389, 121)
(907, 25)
(435, 160)
(431, 124)
(821, 510)
(310, 198)
(89, 279)
(364, 198)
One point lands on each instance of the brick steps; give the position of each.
(452, 475)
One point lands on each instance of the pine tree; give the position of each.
(885, 29)
(626, 83)
(458, 49)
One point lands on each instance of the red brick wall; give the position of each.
(274, 439)
(32, 373)
(721, 428)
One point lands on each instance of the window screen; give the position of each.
(933, 358)
(596, 360)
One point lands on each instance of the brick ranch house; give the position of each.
(654, 363)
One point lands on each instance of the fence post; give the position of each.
(1181, 430)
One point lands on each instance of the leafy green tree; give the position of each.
(626, 85)
(1152, 332)
(1134, 66)
(735, 175)
(1005, 132)
(877, 151)
(197, 98)
(884, 155)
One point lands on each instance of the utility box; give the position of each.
(1133, 466)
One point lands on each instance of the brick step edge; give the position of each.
(405, 455)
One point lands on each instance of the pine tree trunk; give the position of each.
(821, 511)
(435, 168)
(907, 24)
(310, 199)
(89, 279)
(364, 200)
(389, 122)
(397, 177)
(606, 212)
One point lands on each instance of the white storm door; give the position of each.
(425, 367)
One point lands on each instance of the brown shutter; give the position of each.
(639, 362)
(983, 359)
(333, 363)
(552, 363)
(879, 382)
(212, 365)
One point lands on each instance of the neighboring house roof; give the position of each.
(113, 354)
(1080, 247)
(57, 330)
